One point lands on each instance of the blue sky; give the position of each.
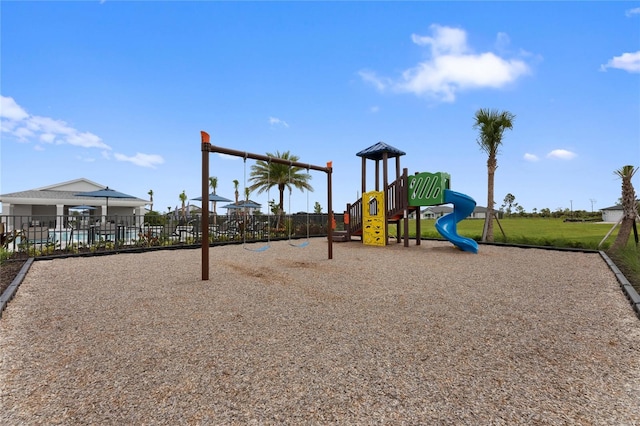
(118, 92)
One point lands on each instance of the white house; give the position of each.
(434, 212)
(56, 200)
(479, 213)
(612, 214)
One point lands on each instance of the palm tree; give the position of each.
(266, 175)
(150, 199)
(236, 184)
(213, 183)
(629, 207)
(492, 124)
(183, 198)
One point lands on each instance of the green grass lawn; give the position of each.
(534, 231)
(547, 232)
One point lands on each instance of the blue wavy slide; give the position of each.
(446, 225)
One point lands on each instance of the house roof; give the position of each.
(375, 152)
(66, 193)
(618, 206)
(78, 185)
(438, 209)
(447, 209)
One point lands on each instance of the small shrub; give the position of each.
(73, 248)
(48, 249)
(32, 251)
(4, 255)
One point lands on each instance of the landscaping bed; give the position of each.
(9, 270)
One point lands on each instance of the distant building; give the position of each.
(249, 207)
(481, 212)
(56, 200)
(612, 214)
(434, 212)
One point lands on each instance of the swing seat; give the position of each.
(304, 244)
(257, 250)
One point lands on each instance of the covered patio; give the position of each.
(37, 206)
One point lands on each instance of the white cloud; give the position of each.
(142, 160)
(22, 133)
(20, 124)
(446, 40)
(11, 110)
(561, 154)
(47, 137)
(631, 12)
(502, 42)
(277, 122)
(627, 61)
(371, 78)
(452, 67)
(531, 157)
(85, 159)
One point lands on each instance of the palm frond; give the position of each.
(626, 171)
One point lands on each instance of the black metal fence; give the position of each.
(64, 235)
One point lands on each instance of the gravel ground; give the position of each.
(420, 335)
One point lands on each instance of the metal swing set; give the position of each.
(246, 200)
(207, 148)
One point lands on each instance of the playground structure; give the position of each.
(207, 148)
(370, 216)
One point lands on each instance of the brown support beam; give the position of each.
(364, 177)
(330, 210)
(205, 146)
(405, 202)
(418, 218)
(418, 230)
(260, 157)
(385, 183)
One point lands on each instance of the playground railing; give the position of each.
(396, 196)
(355, 218)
